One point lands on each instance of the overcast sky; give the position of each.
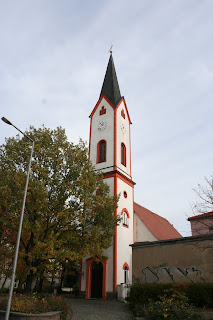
(53, 58)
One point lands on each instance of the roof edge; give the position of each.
(200, 216)
(171, 241)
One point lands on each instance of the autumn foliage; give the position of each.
(68, 213)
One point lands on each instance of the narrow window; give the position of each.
(123, 154)
(125, 275)
(126, 272)
(101, 151)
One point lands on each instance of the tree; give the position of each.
(205, 197)
(5, 262)
(69, 212)
(202, 221)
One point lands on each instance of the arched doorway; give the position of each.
(103, 283)
(97, 280)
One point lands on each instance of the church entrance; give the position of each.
(97, 280)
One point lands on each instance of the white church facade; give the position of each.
(110, 152)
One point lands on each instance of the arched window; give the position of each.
(101, 151)
(125, 219)
(123, 154)
(125, 215)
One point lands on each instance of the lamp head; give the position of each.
(6, 121)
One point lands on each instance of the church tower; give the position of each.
(110, 152)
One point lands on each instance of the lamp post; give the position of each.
(20, 224)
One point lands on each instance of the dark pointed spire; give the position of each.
(110, 86)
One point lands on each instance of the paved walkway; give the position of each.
(99, 310)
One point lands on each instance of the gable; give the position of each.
(160, 228)
(142, 233)
(100, 101)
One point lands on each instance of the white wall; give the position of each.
(123, 137)
(142, 233)
(106, 134)
(124, 235)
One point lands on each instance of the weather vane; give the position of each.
(110, 50)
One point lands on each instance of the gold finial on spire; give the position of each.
(110, 50)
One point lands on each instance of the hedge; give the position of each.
(199, 294)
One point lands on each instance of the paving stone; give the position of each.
(100, 310)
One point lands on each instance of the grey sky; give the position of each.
(53, 57)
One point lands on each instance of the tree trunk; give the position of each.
(40, 285)
(19, 284)
(29, 282)
(62, 277)
(4, 283)
(52, 282)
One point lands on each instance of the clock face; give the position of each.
(123, 128)
(102, 125)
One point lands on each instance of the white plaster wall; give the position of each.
(124, 235)
(106, 134)
(123, 137)
(110, 182)
(109, 251)
(142, 233)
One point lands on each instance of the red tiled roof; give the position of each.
(158, 226)
(199, 216)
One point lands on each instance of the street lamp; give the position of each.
(20, 224)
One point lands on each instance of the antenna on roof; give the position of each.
(110, 50)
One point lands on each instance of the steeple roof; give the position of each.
(110, 86)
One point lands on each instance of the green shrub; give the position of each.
(37, 304)
(170, 312)
(171, 306)
(142, 293)
(200, 294)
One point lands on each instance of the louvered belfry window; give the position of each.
(101, 151)
(123, 154)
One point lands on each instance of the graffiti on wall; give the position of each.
(172, 275)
